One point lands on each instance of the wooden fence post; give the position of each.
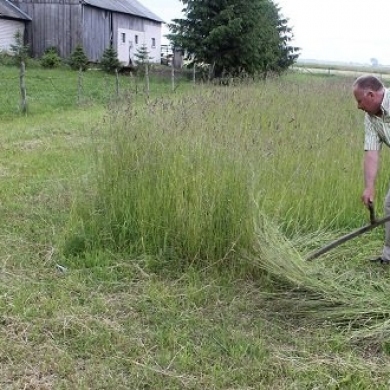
(23, 92)
(173, 77)
(194, 74)
(117, 82)
(147, 83)
(79, 86)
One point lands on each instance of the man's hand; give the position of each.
(368, 195)
(371, 164)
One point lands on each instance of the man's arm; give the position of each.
(371, 165)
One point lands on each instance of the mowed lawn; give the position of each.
(119, 323)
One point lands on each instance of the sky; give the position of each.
(325, 30)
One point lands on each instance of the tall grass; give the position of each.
(168, 185)
(181, 176)
(187, 179)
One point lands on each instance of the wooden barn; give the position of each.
(12, 20)
(95, 24)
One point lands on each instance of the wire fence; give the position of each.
(47, 90)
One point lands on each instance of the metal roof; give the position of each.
(132, 7)
(11, 11)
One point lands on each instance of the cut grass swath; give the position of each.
(319, 292)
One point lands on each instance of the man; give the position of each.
(373, 98)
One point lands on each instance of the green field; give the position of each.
(308, 67)
(159, 243)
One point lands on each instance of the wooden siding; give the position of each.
(54, 23)
(96, 32)
(131, 23)
(8, 29)
(99, 34)
(66, 23)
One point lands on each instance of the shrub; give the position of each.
(6, 58)
(78, 59)
(51, 58)
(52, 49)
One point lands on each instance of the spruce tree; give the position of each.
(19, 49)
(142, 59)
(142, 55)
(78, 59)
(234, 36)
(110, 62)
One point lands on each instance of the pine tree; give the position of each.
(234, 36)
(78, 59)
(142, 55)
(142, 59)
(110, 62)
(18, 49)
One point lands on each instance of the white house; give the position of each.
(12, 20)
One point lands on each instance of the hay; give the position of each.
(317, 292)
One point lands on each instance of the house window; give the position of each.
(123, 37)
(153, 42)
(136, 39)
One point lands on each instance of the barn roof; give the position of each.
(132, 7)
(11, 11)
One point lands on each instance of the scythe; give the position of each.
(372, 225)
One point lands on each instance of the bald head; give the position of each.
(368, 82)
(369, 92)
